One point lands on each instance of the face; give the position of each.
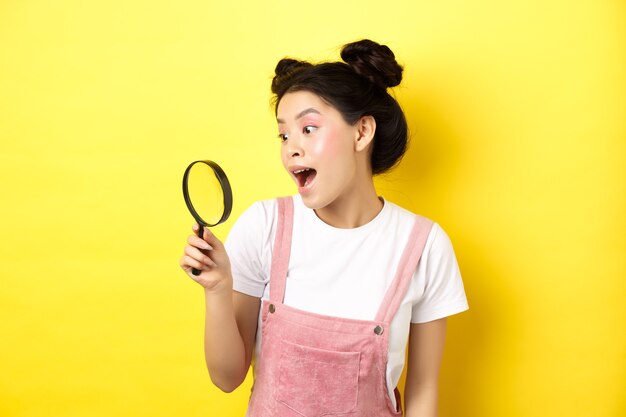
(318, 148)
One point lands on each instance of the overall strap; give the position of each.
(282, 249)
(406, 268)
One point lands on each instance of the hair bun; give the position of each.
(373, 61)
(285, 69)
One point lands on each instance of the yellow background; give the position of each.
(517, 110)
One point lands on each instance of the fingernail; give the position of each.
(207, 246)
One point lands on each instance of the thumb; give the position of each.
(211, 239)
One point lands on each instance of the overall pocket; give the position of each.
(314, 382)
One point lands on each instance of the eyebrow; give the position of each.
(301, 114)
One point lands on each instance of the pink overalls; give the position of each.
(314, 365)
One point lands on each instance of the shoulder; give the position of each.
(405, 218)
(258, 213)
(404, 214)
(261, 209)
(253, 224)
(438, 244)
(249, 247)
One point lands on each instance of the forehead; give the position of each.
(292, 104)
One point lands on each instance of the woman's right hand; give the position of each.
(209, 256)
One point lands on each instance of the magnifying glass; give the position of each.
(207, 194)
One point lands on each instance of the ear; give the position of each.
(365, 129)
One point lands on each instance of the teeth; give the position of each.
(301, 170)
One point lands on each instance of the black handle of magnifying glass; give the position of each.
(200, 234)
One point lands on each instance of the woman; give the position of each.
(352, 276)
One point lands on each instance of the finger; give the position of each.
(194, 263)
(196, 254)
(182, 264)
(198, 230)
(211, 239)
(194, 240)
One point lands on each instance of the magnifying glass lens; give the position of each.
(206, 193)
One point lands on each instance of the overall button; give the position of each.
(272, 308)
(378, 330)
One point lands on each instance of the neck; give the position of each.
(353, 209)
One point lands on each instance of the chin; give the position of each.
(311, 202)
(316, 202)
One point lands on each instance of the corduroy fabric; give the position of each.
(314, 365)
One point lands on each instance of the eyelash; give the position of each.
(283, 136)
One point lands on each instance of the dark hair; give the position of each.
(356, 87)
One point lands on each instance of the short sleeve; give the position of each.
(443, 293)
(246, 246)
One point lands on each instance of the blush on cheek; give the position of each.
(331, 145)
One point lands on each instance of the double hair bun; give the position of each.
(370, 60)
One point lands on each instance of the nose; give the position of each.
(294, 147)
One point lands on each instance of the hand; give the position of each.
(209, 256)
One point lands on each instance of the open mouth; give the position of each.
(305, 176)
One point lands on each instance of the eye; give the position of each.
(309, 129)
(283, 136)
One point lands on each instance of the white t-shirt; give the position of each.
(346, 272)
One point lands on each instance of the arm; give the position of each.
(426, 341)
(231, 317)
(229, 336)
